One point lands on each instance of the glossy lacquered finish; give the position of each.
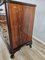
(20, 22)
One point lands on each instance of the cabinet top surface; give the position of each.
(21, 3)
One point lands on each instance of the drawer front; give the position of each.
(13, 25)
(21, 24)
(28, 23)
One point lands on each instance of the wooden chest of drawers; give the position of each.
(20, 24)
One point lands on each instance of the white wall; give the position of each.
(39, 24)
(2, 7)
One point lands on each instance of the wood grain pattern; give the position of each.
(21, 23)
(27, 22)
(14, 25)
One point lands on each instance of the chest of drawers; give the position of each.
(20, 24)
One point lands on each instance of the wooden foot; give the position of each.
(12, 56)
(30, 46)
(13, 51)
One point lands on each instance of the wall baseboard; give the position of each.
(34, 37)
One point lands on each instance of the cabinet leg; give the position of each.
(30, 46)
(12, 56)
(13, 51)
